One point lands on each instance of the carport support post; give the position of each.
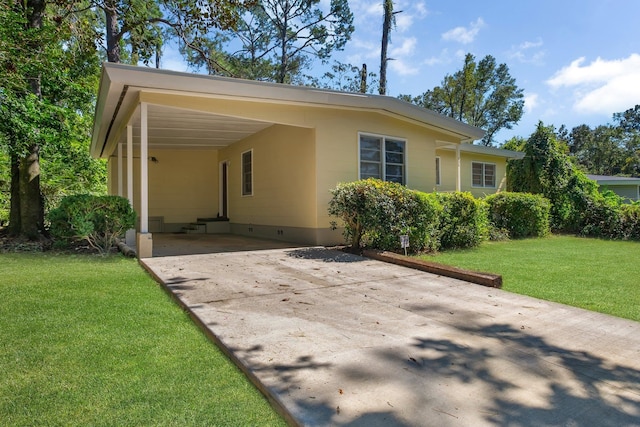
(120, 187)
(130, 236)
(458, 167)
(145, 240)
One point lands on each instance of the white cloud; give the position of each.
(409, 12)
(405, 49)
(528, 52)
(365, 49)
(464, 35)
(603, 86)
(403, 68)
(530, 102)
(443, 58)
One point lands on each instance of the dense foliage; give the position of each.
(611, 149)
(482, 94)
(99, 220)
(376, 213)
(577, 205)
(462, 222)
(48, 75)
(520, 214)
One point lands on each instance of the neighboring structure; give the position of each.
(627, 188)
(264, 156)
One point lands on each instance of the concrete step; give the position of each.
(195, 228)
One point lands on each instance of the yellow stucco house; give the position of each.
(189, 150)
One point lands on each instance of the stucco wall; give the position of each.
(448, 172)
(338, 151)
(183, 184)
(283, 178)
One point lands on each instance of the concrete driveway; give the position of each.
(336, 339)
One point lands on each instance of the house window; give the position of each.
(483, 174)
(247, 173)
(437, 170)
(383, 158)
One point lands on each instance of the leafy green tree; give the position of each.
(600, 150)
(611, 149)
(482, 94)
(548, 170)
(48, 75)
(278, 38)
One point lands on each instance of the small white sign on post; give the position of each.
(404, 242)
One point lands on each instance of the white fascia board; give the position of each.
(482, 149)
(115, 77)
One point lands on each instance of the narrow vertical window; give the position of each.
(370, 157)
(437, 170)
(247, 173)
(382, 158)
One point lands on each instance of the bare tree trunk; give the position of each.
(363, 79)
(386, 29)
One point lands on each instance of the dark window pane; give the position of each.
(370, 155)
(394, 157)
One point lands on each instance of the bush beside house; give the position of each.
(375, 214)
(520, 214)
(98, 220)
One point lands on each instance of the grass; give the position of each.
(598, 275)
(86, 340)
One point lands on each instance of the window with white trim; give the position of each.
(383, 158)
(437, 170)
(247, 173)
(483, 174)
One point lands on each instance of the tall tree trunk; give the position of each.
(386, 29)
(113, 37)
(31, 206)
(363, 79)
(26, 198)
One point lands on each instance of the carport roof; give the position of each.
(121, 85)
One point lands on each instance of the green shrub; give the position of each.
(463, 220)
(601, 217)
(630, 222)
(521, 214)
(99, 220)
(375, 213)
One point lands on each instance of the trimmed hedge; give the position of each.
(463, 220)
(99, 220)
(375, 213)
(521, 214)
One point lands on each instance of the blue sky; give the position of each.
(578, 61)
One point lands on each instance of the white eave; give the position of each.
(120, 85)
(481, 149)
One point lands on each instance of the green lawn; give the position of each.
(94, 341)
(599, 275)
